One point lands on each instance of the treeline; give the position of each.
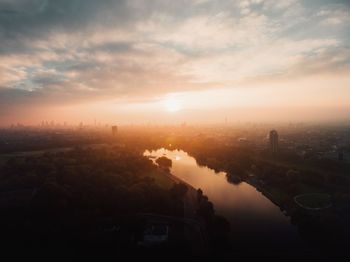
(66, 194)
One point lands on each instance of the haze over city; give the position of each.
(179, 129)
(199, 61)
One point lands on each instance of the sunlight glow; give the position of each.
(172, 104)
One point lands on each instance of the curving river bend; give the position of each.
(255, 221)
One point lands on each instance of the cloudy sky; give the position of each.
(73, 60)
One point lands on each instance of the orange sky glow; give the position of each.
(199, 61)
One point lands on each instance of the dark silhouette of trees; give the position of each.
(179, 190)
(72, 192)
(164, 162)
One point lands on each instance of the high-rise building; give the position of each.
(114, 130)
(273, 141)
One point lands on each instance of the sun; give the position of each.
(172, 104)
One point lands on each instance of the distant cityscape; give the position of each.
(304, 141)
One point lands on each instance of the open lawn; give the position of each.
(314, 201)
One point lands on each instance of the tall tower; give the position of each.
(273, 141)
(114, 130)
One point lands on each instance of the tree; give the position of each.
(164, 162)
(179, 190)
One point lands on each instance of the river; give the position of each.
(255, 221)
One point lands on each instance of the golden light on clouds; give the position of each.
(118, 59)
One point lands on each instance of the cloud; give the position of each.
(334, 15)
(61, 52)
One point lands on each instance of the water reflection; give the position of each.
(253, 217)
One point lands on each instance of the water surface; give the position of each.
(255, 220)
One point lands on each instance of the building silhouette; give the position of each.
(114, 130)
(273, 141)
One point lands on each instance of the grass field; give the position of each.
(315, 201)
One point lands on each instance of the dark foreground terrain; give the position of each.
(87, 193)
(108, 198)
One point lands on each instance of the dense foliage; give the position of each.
(70, 192)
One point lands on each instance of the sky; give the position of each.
(154, 61)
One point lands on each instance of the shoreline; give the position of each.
(190, 199)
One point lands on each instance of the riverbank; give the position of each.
(251, 215)
(199, 208)
(191, 203)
